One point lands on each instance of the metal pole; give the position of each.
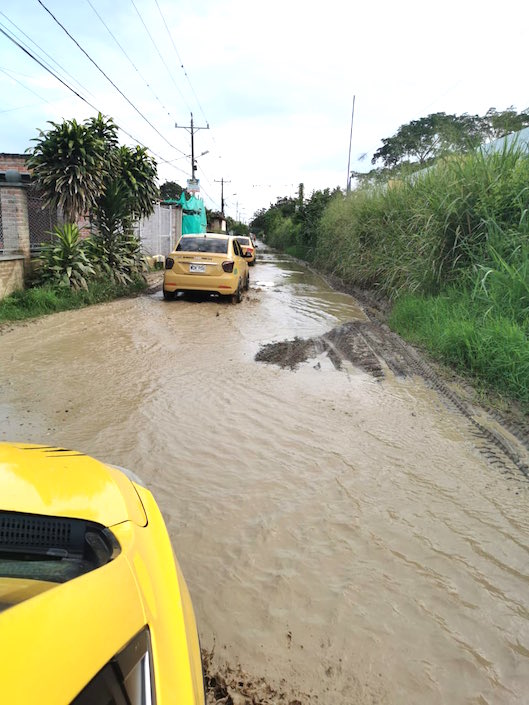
(192, 129)
(348, 187)
(222, 182)
(192, 150)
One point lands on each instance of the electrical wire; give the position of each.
(108, 79)
(61, 68)
(72, 90)
(181, 66)
(180, 60)
(61, 71)
(6, 72)
(128, 58)
(215, 203)
(22, 107)
(159, 54)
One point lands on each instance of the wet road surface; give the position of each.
(339, 533)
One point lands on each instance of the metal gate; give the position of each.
(157, 232)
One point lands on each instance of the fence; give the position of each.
(41, 221)
(158, 232)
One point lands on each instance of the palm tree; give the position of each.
(69, 164)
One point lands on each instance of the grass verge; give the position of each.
(43, 300)
(491, 348)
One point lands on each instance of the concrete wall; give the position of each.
(14, 235)
(11, 274)
(15, 226)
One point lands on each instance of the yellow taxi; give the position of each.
(207, 262)
(248, 247)
(93, 606)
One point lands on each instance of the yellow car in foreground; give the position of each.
(207, 262)
(93, 607)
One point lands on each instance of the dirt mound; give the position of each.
(365, 344)
(374, 348)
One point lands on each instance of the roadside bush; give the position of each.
(65, 262)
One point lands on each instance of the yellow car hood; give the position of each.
(60, 482)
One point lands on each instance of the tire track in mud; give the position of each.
(371, 346)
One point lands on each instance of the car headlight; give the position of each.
(130, 474)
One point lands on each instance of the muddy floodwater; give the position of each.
(344, 532)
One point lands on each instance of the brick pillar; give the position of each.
(15, 226)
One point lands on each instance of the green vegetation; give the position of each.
(43, 300)
(449, 245)
(170, 190)
(81, 169)
(64, 261)
(293, 224)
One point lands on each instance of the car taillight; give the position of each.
(169, 261)
(228, 266)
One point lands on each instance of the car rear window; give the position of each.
(243, 240)
(203, 244)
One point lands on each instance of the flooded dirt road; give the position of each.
(341, 531)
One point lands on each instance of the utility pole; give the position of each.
(222, 182)
(192, 129)
(350, 140)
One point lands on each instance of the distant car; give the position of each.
(248, 248)
(93, 606)
(207, 262)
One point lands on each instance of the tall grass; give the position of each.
(450, 246)
(424, 232)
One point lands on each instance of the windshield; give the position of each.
(243, 240)
(203, 244)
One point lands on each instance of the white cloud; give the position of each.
(275, 80)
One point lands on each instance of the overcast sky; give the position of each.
(275, 80)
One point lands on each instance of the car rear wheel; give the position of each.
(169, 295)
(247, 285)
(237, 297)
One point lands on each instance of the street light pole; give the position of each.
(350, 140)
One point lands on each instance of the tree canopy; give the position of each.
(170, 190)
(75, 164)
(422, 140)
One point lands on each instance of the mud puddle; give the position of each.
(343, 538)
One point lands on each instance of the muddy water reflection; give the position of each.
(338, 532)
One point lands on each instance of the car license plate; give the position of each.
(197, 267)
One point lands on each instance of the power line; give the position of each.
(72, 90)
(4, 71)
(61, 68)
(22, 107)
(128, 57)
(180, 60)
(107, 77)
(159, 54)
